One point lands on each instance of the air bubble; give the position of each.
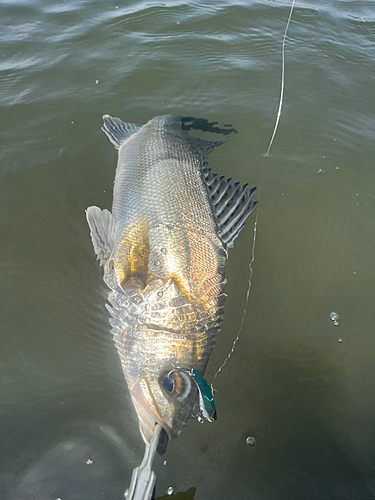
(336, 322)
(334, 316)
(157, 263)
(159, 295)
(163, 250)
(170, 491)
(250, 441)
(340, 340)
(200, 419)
(165, 462)
(89, 461)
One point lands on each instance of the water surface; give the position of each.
(68, 428)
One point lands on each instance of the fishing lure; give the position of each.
(206, 398)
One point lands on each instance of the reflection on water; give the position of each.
(186, 495)
(306, 397)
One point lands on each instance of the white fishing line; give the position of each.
(282, 79)
(259, 191)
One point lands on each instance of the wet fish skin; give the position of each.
(164, 261)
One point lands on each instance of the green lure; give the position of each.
(206, 398)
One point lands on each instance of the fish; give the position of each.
(163, 249)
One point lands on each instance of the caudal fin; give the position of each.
(118, 131)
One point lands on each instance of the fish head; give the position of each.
(163, 396)
(157, 351)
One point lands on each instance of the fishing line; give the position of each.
(259, 191)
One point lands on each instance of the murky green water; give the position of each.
(67, 425)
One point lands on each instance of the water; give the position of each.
(307, 397)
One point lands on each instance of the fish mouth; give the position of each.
(147, 411)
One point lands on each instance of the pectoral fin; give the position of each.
(102, 224)
(132, 254)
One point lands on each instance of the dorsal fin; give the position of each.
(101, 223)
(118, 131)
(232, 204)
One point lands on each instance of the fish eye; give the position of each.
(168, 384)
(176, 384)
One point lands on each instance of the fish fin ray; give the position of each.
(232, 204)
(204, 146)
(101, 223)
(118, 131)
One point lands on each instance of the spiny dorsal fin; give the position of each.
(232, 204)
(118, 131)
(101, 223)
